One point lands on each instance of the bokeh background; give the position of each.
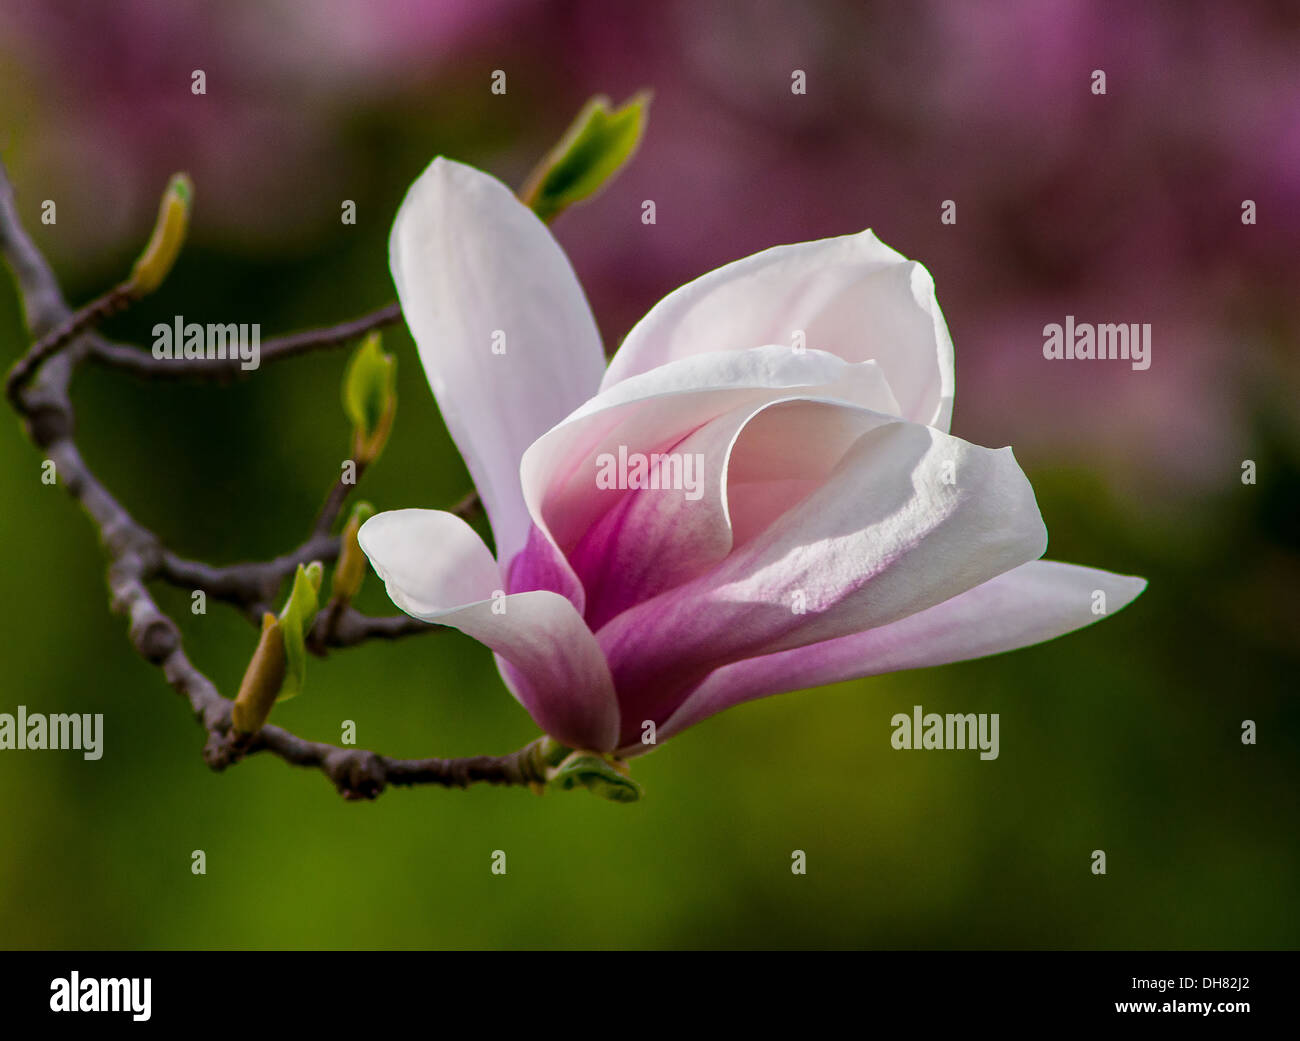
(1125, 737)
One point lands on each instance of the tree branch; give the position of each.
(251, 586)
(364, 775)
(135, 554)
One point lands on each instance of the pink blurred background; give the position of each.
(1123, 207)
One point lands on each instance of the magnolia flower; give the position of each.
(832, 528)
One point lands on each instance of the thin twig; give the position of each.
(142, 363)
(364, 775)
(338, 494)
(352, 627)
(116, 299)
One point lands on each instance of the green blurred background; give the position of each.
(1124, 737)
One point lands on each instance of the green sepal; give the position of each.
(596, 774)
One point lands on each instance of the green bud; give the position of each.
(590, 153)
(350, 571)
(370, 398)
(295, 622)
(164, 246)
(262, 680)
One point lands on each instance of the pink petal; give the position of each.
(1034, 602)
(754, 463)
(885, 537)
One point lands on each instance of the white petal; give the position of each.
(472, 264)
(431, 561)
(852, 296)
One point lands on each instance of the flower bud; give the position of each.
(350, 571)
(590, 153)
(262, 679)
(295, 622)
(370, 398)
(164, 246)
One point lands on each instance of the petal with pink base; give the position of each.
(1037, 601)
(436, 568)
(885, 536)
